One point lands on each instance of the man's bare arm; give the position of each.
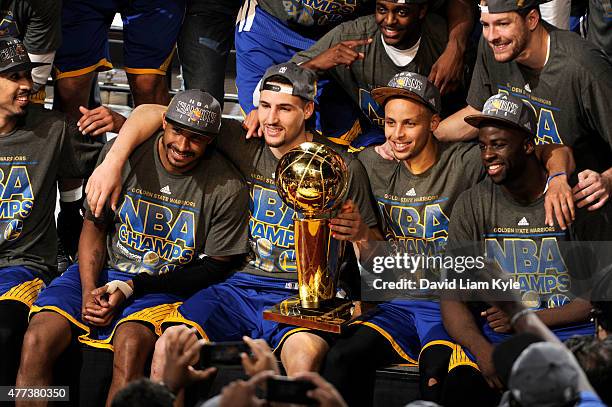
(105, 182)
(447, 72)
(92, 255)
(454, 128)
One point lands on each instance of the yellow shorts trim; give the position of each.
(26, 292)
(101, 65)
(388, 336)
(36, 309)
(175, 317)
(287, 335)
(152, 71)
(437, 342)
(459, 358)
(153, 316)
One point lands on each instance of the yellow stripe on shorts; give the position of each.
(26, 292)
(176, 318)
(459, 358)
(153, 316)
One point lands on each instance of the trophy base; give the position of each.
(331, 315)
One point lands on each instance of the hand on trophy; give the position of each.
(348, 224)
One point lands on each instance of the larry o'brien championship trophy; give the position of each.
(313, 180)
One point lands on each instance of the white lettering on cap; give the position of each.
(505, 106)
(279, 87)
(483, 9)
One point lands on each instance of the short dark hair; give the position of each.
(144, 393)
(524, 11)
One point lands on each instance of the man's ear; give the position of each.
(308, 110)
(422, 11)
(164, 121)
(532, 19)
(529, 145)
(435, 122)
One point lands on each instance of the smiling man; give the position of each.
(181, 204)
(363, 54)
(233, 308)
(565, 78)
(415, 196)
(36, 147)
(504, 215)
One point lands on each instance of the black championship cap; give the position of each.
(303, 81)
(196, 111)
(14, 57)
(507, 110)
(412, 86)
(505, 6)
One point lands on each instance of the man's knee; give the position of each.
(47, 336)
(302, 352)
(133, 343)
(74, 91)
(149, 88)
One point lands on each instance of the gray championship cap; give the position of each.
(14, 57)
(507, 110)
(505, 6)
(303, 82)
(544, 375)
(412, 86)
(196, 111)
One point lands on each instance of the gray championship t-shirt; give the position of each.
(271, 238)
(164, 220)
(571, 95)
(313, 18)
(42, 148)
(515, 236)
(415, 209)
(35, 22)
(377, 68)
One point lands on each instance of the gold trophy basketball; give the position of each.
(313, 180)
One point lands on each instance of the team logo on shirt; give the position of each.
(16, 200)
(422, 229)
(153, 236)
(271, 229)
(547, 131)
(538, 266)
(523, 222)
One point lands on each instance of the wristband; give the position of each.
(550, 177)
(519, 315)
(122, 286)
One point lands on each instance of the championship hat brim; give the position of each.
(22, 66)
(477, 121)
(190, 129)
(383, 94)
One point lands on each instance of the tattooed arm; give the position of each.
(92, 254)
